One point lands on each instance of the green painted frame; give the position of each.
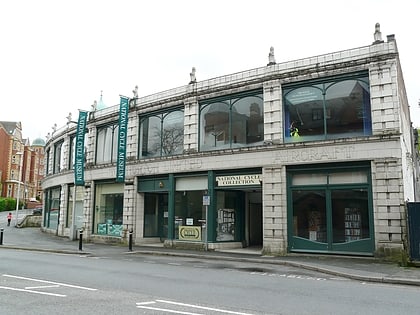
(298, 244)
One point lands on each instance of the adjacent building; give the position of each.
(20, 162)
(312, 155)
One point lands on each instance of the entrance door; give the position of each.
(156, 215)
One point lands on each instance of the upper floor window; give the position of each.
(58, 157)
(48, 166)
(72, 150)
(162, 134)
(335, 108)
(107, 144)
(232, 122)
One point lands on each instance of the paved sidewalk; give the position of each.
(357, 268)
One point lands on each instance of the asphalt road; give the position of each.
(48, 283)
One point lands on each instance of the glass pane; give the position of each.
(173, 133)
(54, 211)
(226, 215)
(309, 215)
(214, 127)
(309, 179)
(348, 178)
(304, 114)
(104, 144)
(350, 216)
(346, 104)
(114, 144)
(108, 214)
(150, 136)
(151, 215)
(247, 121)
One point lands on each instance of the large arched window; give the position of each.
(232, 122)
(162, 134)
(106, 144)
(334, 108)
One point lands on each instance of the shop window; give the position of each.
(108, 217)
(226, 216)
(107, 144)
(75, 200)
(52, 210)
(330, 211)
(162, 134)
(335, 108)
(232, 122)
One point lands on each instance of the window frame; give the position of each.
(161, 116)
(112, 158)
(230, 101)
(324, 114)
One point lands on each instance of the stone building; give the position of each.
(311, 155)
(20, 162)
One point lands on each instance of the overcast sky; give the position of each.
(57, 56)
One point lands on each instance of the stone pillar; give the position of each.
(388, 206)
(274, 211)
(273, 111)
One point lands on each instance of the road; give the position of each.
(47, 283)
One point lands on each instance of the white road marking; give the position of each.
(146, 303)
(31, 291)
(166, 310)
(51, 282)
(43, 287)
(203, 307)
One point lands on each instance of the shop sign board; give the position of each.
(239, 180)
(190, 233)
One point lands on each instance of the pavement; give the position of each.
(366, 269)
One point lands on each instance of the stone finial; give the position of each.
(48, 136)
(94, 106)
(193, 79)
(136, 92)
(69, 118)
(271, 58)
(377, 36)
(54, 128)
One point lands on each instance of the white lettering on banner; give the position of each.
(239, 180)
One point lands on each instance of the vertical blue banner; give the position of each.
(79, 156)
(122, 139)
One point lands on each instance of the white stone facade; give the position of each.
(388, 150)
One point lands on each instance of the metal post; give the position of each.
(1, 236)
(80, 239)
(18, 191)
(130, 240)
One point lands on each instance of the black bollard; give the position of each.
(130, 240)
(1, 236)
(80, 239)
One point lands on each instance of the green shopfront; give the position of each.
(178, 207)
(330, 209)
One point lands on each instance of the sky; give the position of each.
(57, 57)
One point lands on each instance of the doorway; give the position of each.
(156, 215)
(255, 222)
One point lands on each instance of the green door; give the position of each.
(156, 215)
(327, 214)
